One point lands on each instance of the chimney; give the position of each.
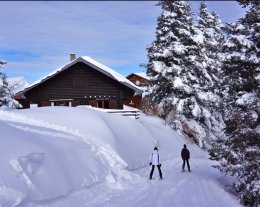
(72, 56)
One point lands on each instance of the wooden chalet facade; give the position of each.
(140, 80)
(83, 81)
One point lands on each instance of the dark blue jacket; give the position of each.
(185, 154)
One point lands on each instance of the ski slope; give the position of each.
(61, 156)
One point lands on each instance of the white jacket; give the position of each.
(155, 158)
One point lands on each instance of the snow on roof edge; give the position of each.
(113, 74)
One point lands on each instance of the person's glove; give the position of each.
(160, 165)
(150, 163)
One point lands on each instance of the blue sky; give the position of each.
(37, 37)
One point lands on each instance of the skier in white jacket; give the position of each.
(155, 160)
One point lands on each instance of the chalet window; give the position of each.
(102, 104)
(99, 104)
(61, 102)
(106, 104)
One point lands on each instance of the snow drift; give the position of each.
(48, 152)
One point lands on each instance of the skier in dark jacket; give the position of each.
(185, 154)
(155, 160)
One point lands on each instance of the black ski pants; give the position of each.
(159, 169)
(188, 164)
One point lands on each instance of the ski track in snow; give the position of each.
(198, 188)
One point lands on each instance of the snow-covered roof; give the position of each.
(142, 75)
(92, 63)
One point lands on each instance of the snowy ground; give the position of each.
(73, 157)
(200, 188)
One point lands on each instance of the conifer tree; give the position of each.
(246, 3)
(239, 151)
(4, 91)
(178, 69)
(5, 94)
(160, 57)
(212, 30)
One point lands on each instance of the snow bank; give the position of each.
(41, 163)
(50, 151)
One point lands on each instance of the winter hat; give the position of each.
(155, 148)
(184, 146)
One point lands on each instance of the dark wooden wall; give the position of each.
(136, 101)
(81, 83)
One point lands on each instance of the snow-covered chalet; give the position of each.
(83, 81)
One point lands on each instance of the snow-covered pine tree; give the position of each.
(159, 56)
(4, 91)
(246, 3)
(211, 27)
(178, 70)
(2, 84)
(212, 30)
(165, 58)
(239, 152)
(5, 94)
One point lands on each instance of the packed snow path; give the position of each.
(51, 158)
(198, 188)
